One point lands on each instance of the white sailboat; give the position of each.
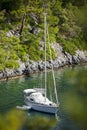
(36, 98)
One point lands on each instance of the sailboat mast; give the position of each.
(45, 53)
(54, 81)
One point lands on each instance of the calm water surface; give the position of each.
(11, 92)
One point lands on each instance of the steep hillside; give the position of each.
(21, 29)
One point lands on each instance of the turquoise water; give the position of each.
(71, 83)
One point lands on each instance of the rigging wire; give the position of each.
(45, 52)
(55, 89)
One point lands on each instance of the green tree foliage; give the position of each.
(74, 2)
(66, 21)
(11, 120)
(10, 4)
(9, 51)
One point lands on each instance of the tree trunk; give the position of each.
(23, 23)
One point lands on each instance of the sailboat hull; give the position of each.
(43, 107)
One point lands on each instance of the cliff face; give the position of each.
(62, 59)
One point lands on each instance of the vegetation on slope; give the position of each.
(22, 29)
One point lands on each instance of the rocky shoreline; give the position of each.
(29, 67)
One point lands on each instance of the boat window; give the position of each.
(31, 99)
(43, 94)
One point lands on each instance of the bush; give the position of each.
(1, 67)
(34, 53)
(11, 64)
(69, 47)
(23, 56)
(11, 120)
(13, 56)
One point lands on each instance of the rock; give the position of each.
(49, 65)
(18, 72)
(28, 71)
(1, 74)
(35, 30)
(9, 34)
(8, 73)
(56, 64)
(75, 59)
(69, 58)
(34, 66)
(40, 65)
(81, 55)
(27, 64)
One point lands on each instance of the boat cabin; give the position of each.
(27, 92)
